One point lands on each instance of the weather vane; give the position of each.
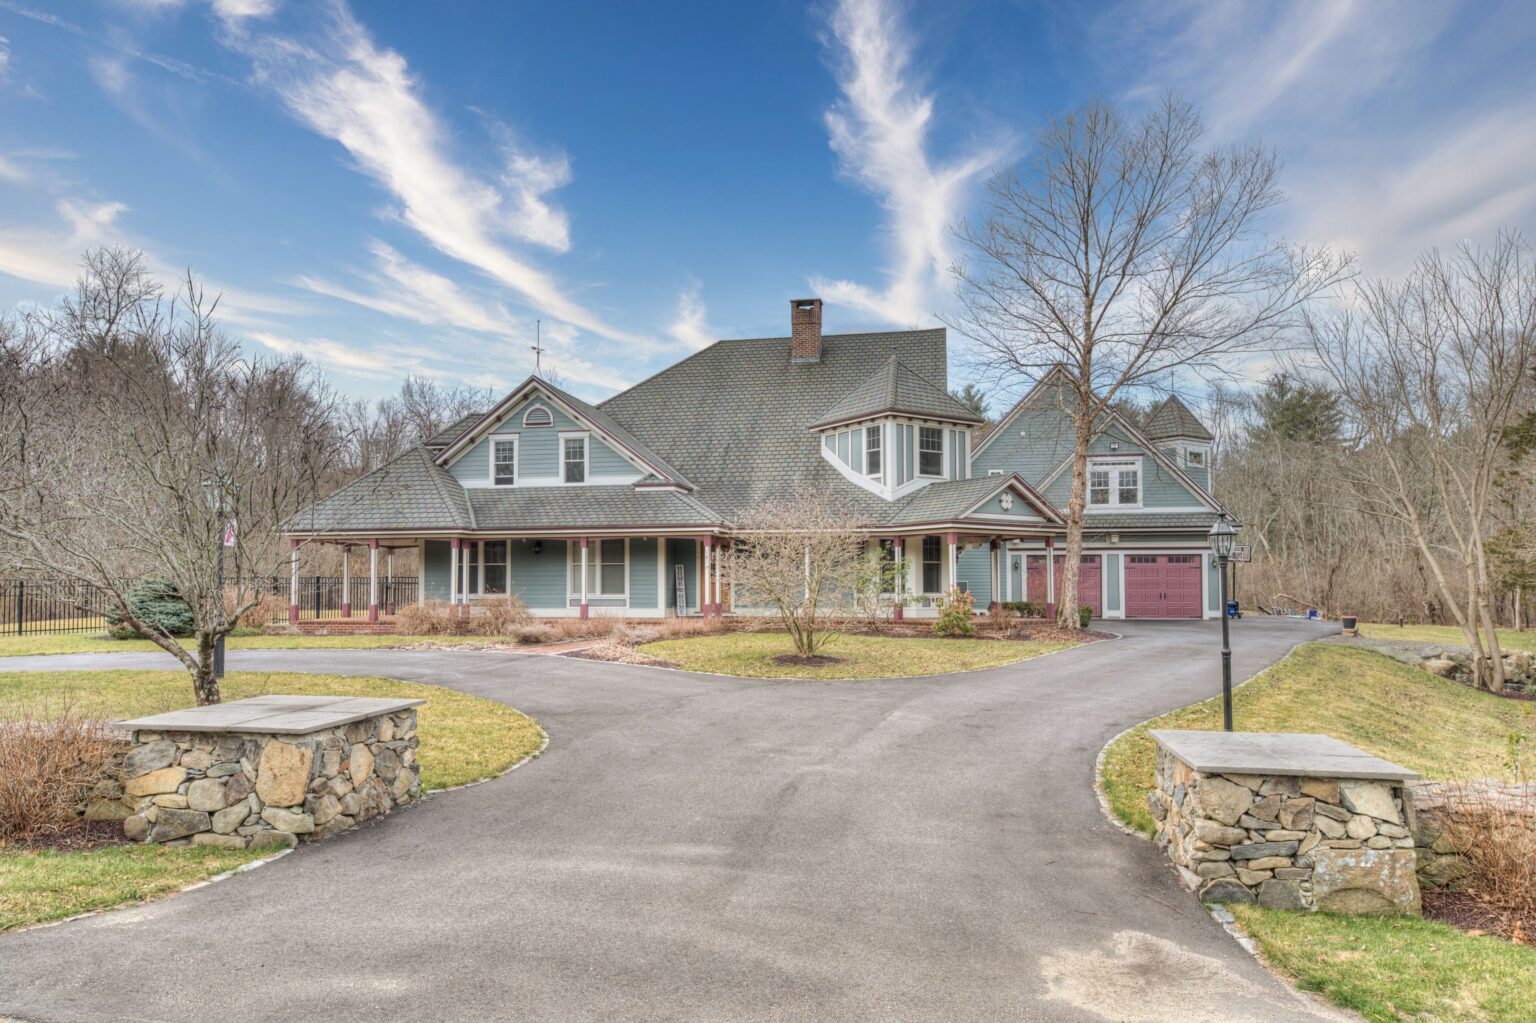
(538, 351)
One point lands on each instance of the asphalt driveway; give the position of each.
(702, 848)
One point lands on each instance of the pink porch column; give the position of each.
(585, 612)
(1050, 579)
(293, 582)
(373, 581)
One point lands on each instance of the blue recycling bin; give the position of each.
(1233, 611)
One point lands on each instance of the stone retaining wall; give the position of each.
(1287, 842)
(250, 789)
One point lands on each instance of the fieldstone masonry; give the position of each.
(1287, 821)
(268, 771)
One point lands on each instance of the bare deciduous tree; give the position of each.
(1123, 251)
(1432, 374)
(803, 556)
(146, 432)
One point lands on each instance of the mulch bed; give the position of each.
(614, 654)
(1463, 912)
(75, 838)
(813, 661)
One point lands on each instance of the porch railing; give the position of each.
(30, 607)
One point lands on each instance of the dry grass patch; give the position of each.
(1449, 635)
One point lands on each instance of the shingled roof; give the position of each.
(897, 390)
(453, 431)
(410, 492)
(736, 413)
(1174, 419)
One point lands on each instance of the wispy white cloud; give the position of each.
(409, 291)
(1390, 147)
(5, 58)
(339, 356)
(880, 132)
(345, 87)
(232, 11)
(691, 325)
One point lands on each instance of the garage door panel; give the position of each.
(1163, 586)
(1089, 580)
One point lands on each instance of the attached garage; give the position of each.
(1163, 586)
(1089, 580)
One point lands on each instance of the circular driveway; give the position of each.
(695, 847)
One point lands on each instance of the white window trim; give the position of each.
(538, 406)
(517, 454)
(1203, 452)
(573, 568)
(585, 436)
(917, 446)
(865, 432)
(1113, 463)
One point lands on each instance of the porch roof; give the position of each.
(950, 500)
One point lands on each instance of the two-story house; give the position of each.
(623, 507)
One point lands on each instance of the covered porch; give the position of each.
(629, 575)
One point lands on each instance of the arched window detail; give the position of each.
(538, 415)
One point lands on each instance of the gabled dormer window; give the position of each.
(1114, 483)
(504, 461)
(872, 450)
(573, 458)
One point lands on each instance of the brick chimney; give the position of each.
(805, 330)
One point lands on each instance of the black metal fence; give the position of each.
(31, 607)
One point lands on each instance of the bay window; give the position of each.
(930, 451)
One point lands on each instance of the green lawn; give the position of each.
(1395, 969)
(35, 887)
(1508, 638)
(752, 654)
(1392, 969)
(88, 643)
(463, 738)
(1437, 727)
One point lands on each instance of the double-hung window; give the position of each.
(930, 451)
(607, 573)
(1114, 484)
(573, 459)
(504, 462)
(495, 570)
(933, 564)
(872, 450)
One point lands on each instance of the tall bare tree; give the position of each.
(146, 433)
(1125, 252)
(1432, 372)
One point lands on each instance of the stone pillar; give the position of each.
(899, 550)
(585, 612)
(1050, 580)
(293, 582)
(373, 581)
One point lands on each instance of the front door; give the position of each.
(1015, 577)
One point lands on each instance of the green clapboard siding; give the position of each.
(642, 573)
(539, 579)
(976, 572)
(436, 574)
(538, 449)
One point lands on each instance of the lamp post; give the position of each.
(1222, 536)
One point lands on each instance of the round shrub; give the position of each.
(157, 604)
(957, 613)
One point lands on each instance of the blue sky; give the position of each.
(399, 187)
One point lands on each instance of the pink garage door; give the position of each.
(1088, 581)
(1162, 585)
